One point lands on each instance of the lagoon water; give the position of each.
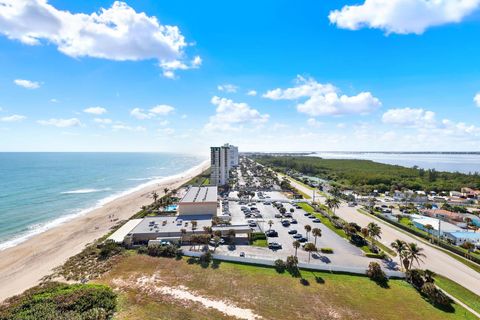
(453, 162)
(41, 190)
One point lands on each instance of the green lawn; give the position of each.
(268, 294)
(459, 292)
(260, 243)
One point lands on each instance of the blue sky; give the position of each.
(181, 75)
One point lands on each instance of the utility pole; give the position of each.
(313, 195)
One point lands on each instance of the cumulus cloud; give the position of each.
(476, 99)
(402, 16)
(409, 117)
(159, 110)
(27, 84)
(95, 110)
(324, 99)
(117, 33)
(229, 88)
(60, 123)
(230, 115)
(252, 93)
(169, 67)
(12, 118)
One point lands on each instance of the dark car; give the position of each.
(285, 223)
(297, 236)
(311, 217)
(271, 233)
(292, 231)
(306, 214)
(293, 221)
(316, 220)
(302, 239)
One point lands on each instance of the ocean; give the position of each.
(468, 162)
(41, 190)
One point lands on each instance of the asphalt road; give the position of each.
(436, 260)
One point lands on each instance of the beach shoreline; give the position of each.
(22, 266)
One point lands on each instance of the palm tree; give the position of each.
(270, 223)
(310, 247)
(174, 192)
(216, 241)
(414, 253)
(332, 203)
(207, 229)
(371, 204)
(194, 225)
(155, 196)
(374, 231)
(317, 232)
(165, 190)
(308, 228)
(296, 245)
(400, 247)
(183, 232)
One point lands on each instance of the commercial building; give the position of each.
(199, 201)
(438, 226)
(222, 160)
(459, 238)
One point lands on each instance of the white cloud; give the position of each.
(231, 115)
(166, 131)
(53, 100)
(164, 123)
(313, 122)
(252, 93)
(159, 110)
(119, 127)
(324, 99)
(117, 33)
(476, 99)
(103, 120)
(409, 117)
(95, 110)
(61, 123)
(162, 110)
(12, 118)
(169, 67)
(230, 88)
(402, 16)
(27, 84)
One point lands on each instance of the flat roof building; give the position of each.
(199, 201)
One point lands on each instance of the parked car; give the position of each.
(302, 239)
(285, 223)
(242, 254)
(293, 221)
(316, 220)
(271, 233)
(306, 214)
(274, 246)
(292, 231)
(297, 236)
(252, 224)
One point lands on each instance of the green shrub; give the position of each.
(380, 255)
(326, 250)
(376, 273)
(108, 249)
(280, 265)
(169, 251)
(434, 295)
(142, 250)
(55, 300)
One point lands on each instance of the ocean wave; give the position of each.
(80, 191)
(42, 227)
(145, 179)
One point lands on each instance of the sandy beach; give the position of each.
(22, 266)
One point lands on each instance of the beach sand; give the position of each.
(22, 266)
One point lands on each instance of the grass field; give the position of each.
(260, 243)
(459, 292)
(262, 291)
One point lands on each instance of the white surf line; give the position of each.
(183, 293)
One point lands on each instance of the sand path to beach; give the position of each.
(22, 266)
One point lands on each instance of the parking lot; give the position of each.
(344, 252)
